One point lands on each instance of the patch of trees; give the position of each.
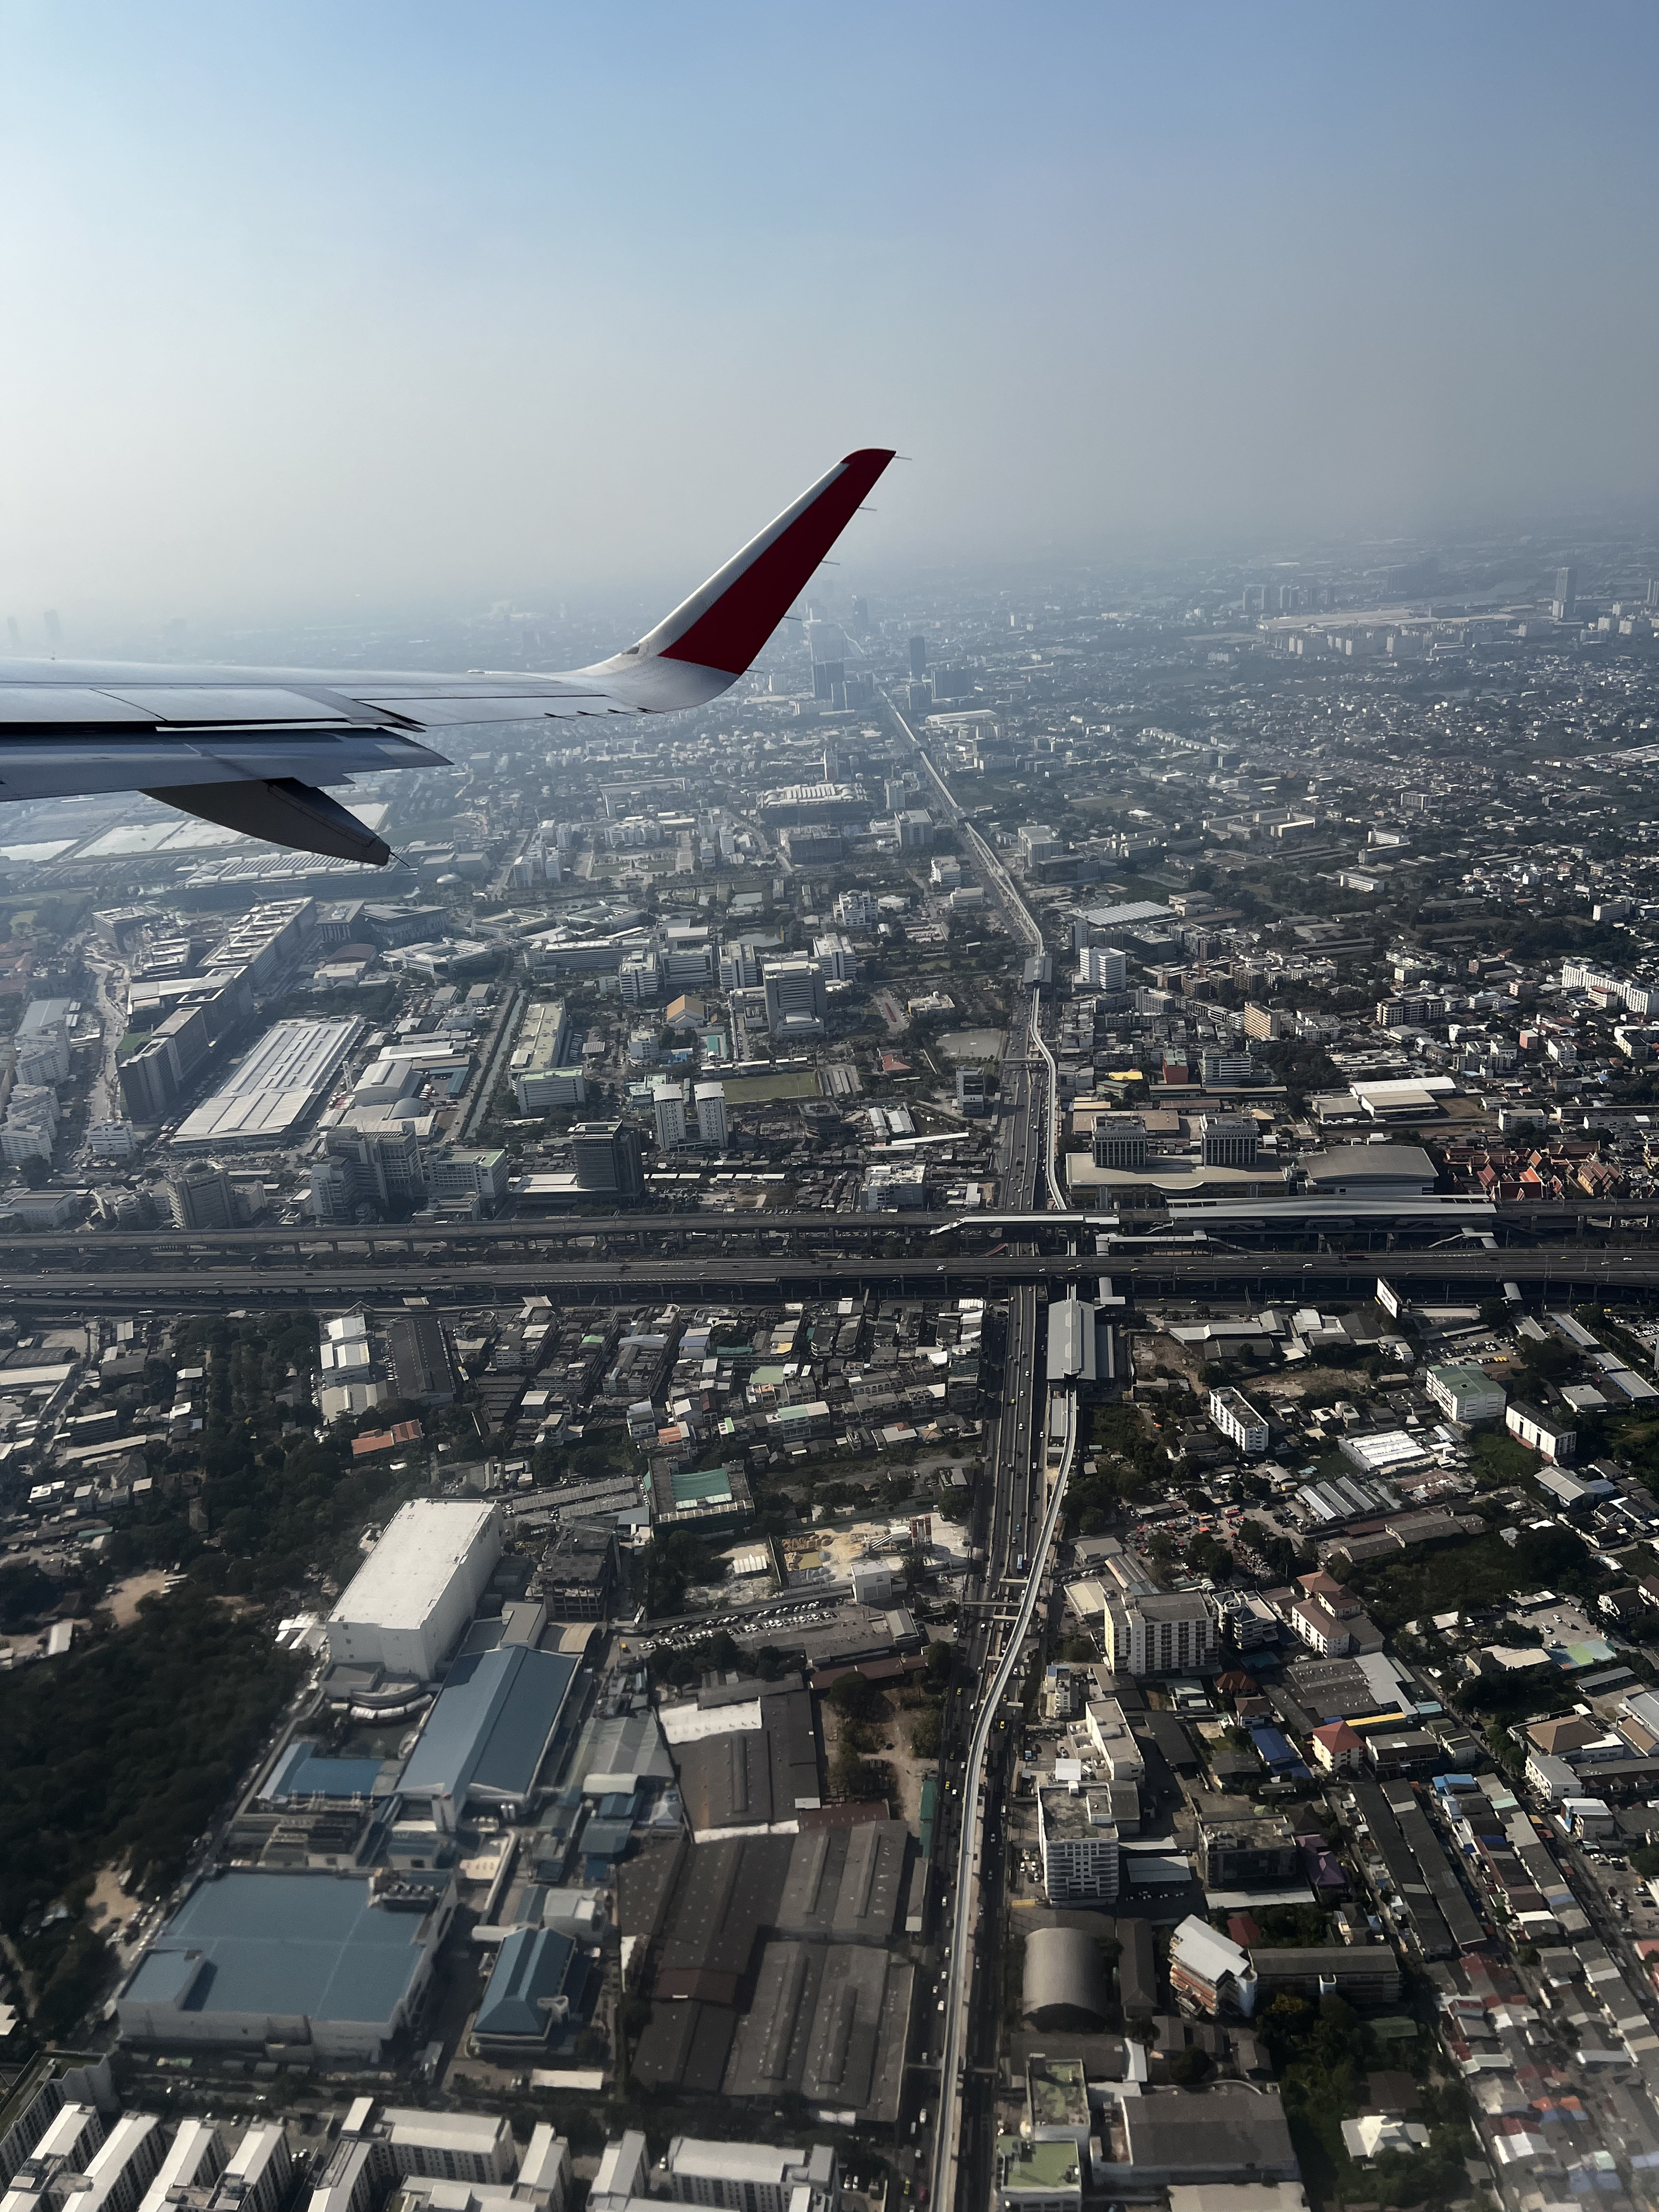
(1321, 2055)
(26, 1592)
(122, 1751)
(1485, 1572)
(674, 1560)
(279, 1503)
(720, 1654)
(1283, 1560)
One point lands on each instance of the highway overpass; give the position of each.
(1466, 1271)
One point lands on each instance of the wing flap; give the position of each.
(282, 811)
(217, 704)
(31, 705)
(440, 709)
(34, 766)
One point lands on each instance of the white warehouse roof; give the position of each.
(262, 1101)
(409, 1573)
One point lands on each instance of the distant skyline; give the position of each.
(312, 309)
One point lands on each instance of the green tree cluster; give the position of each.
(1321, 2055)
(121, 1753)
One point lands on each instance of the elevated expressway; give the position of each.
(1024, 1515)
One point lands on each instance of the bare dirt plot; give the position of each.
(108, 1903)
(122, 1600)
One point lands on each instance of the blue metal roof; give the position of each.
(292, 1945)
(305, 1772)
(491, 1724)
(532, 1967)
(1274, 1747)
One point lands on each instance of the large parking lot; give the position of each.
(776, 1620)
(1625, 1896)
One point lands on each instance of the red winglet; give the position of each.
(726, 632)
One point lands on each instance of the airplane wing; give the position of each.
(251, 748)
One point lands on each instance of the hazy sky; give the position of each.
(318, 304)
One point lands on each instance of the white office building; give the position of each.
(857, 909)
(1080, 1859)
(740, 967)
(1161, 1634)
(1114, 1739)
(537, 1063)
(795, 997)
(1239, 1421)
(406, 1606)
(111, 1140)
(639, 979)
(836, 956)
(668, 1105)
(1541, 1431)
(711, 1114)
(1102, 968)
(1464, 1394)
(747, 2176)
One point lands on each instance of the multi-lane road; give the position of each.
(1010, 1495)
(1020, 1517)
(1469, 1271)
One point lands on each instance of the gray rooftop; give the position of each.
(845, 1883)
(491, 1725)
(287, 1945)
(829, 2021)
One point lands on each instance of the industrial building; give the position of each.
(419, 1357)
(767, 1959)
(324, 1966)
(538, 1995)
(487, 1735)
(748, 1763)
(1080, 1345)
(1065, 1981)
(540, 1078)
(405, 1608)
(267, 1098)
(830, 2022)
(1235, 2132)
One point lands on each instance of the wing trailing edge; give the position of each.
(283, 811)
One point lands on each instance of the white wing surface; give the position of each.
(251, 748)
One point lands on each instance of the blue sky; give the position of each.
(316, 304)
